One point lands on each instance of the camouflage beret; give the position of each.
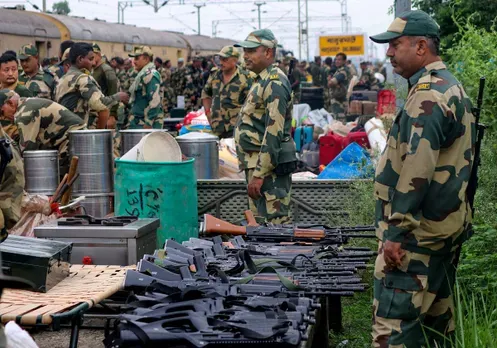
(6, 94)
(229, 51)
(410, 23)
(140, 50)
(263, 37)
(96, 48)
(27, 51)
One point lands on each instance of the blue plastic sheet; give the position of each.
(353, 162)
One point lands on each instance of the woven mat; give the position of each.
(85, 284)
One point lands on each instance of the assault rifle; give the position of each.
(480, 130)
(282, 233)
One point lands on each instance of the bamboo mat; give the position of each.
(88, 284)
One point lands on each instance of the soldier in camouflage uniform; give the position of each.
(225, 92)
(325, 72)
(57, 69)
(178, 78)
(265, 148)
(42, 124)
(106, 78)
(145, 101)
(315, 71)
(40, 82)
(9, 76)
(339, 85)
(422, 209)
(79, 92)
(368, 80)
(168, 96)
(12, 183)
(193, 84)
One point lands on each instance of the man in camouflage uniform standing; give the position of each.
(193, 84)
(9, 76)
(178, 78)
(40, 82)
(368, 80)
(78, 91)
(265, 148)
(315, 71)
(422, 209)
(339, 85)
(225, 92)
(42, 124)
(168, 96)
(107, 81)
(325, 72)
(145, 101)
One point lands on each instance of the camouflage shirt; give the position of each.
(421, 177)
(193, 82)
(80, 93)
(226, 99)
(8, 125)
(178, 80)
(315, 71)
(145, 98)
(41, 85)
(265, 121)
(11, 188)
(44, 124)
(129, 78)
(56, 70)
(121, 77)
(107, 80)
(368, 79)
(339, 91)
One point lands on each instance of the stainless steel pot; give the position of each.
(204, 148)
(94, 149)
(131, 137)
(41, 171)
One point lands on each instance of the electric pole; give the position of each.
(259, 4)
(198, 16)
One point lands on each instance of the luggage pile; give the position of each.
(229, 291)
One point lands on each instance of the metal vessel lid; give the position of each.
(40, 153)
(90, 131)
(142, 130)
(196, 137)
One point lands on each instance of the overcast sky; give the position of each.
(368, 16)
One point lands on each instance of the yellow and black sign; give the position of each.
(351, 45)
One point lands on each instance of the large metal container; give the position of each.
(204, 148)
(131, 137)
(98, 204)
(94, 149)
(105, 244)
(41, 171)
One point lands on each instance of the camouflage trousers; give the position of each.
(139, 122)
(168, 101)
(413, 305)
(338, 109)
(274, 205)
(327, 99)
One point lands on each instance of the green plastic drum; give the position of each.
(165, 190)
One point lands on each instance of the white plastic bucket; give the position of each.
(155, 147)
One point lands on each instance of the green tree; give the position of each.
(447, 12)
(61, 7)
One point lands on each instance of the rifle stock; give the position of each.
(213, 225)
(250, 218)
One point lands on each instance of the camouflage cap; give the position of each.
(229, 51)
(27, 51)
(263, 37)
(96, 48)
(6, 94)
(410, 23)
(139, 50)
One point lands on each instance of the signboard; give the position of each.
(351, 45)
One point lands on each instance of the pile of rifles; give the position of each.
(251, 286)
